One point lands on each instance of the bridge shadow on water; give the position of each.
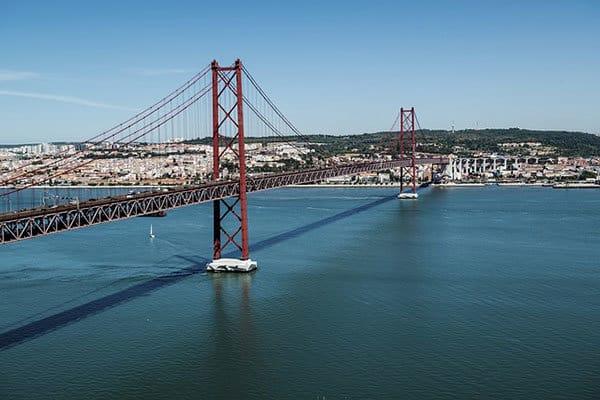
(58, 320)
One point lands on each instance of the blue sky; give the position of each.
(69, 69)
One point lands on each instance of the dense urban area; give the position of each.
(491, 155)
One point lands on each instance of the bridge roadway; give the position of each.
(27, 224)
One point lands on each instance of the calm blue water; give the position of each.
(465, 293)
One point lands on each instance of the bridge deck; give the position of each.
(44, 221)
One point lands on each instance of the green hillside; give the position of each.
(464, 142)
(563, 143)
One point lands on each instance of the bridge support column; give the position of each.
(407, 124)
(230, 215)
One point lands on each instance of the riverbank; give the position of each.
(346, 185)
(87, 186)
(574, 185)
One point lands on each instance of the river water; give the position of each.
(466, 293)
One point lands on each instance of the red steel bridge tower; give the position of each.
(230, 215)
(407, 126)
(227, 189)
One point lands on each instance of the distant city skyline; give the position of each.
(69, 70)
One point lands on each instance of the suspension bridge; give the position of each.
(216, 106)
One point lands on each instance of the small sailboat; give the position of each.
(151, 233)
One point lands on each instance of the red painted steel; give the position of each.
(401, 147)
(407, 124)
(216, 170)
(228, 193)
(242, 161)
(27, 224)
(401, 132)
(413, 150)
(228, 80)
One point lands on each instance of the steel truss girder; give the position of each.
(41, 222)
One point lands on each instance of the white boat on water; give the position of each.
(231, 265)
(408, 196)
(151, 233)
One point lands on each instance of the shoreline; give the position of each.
(88, 187)
(575, 186)
(343, 185)
(166, 186)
